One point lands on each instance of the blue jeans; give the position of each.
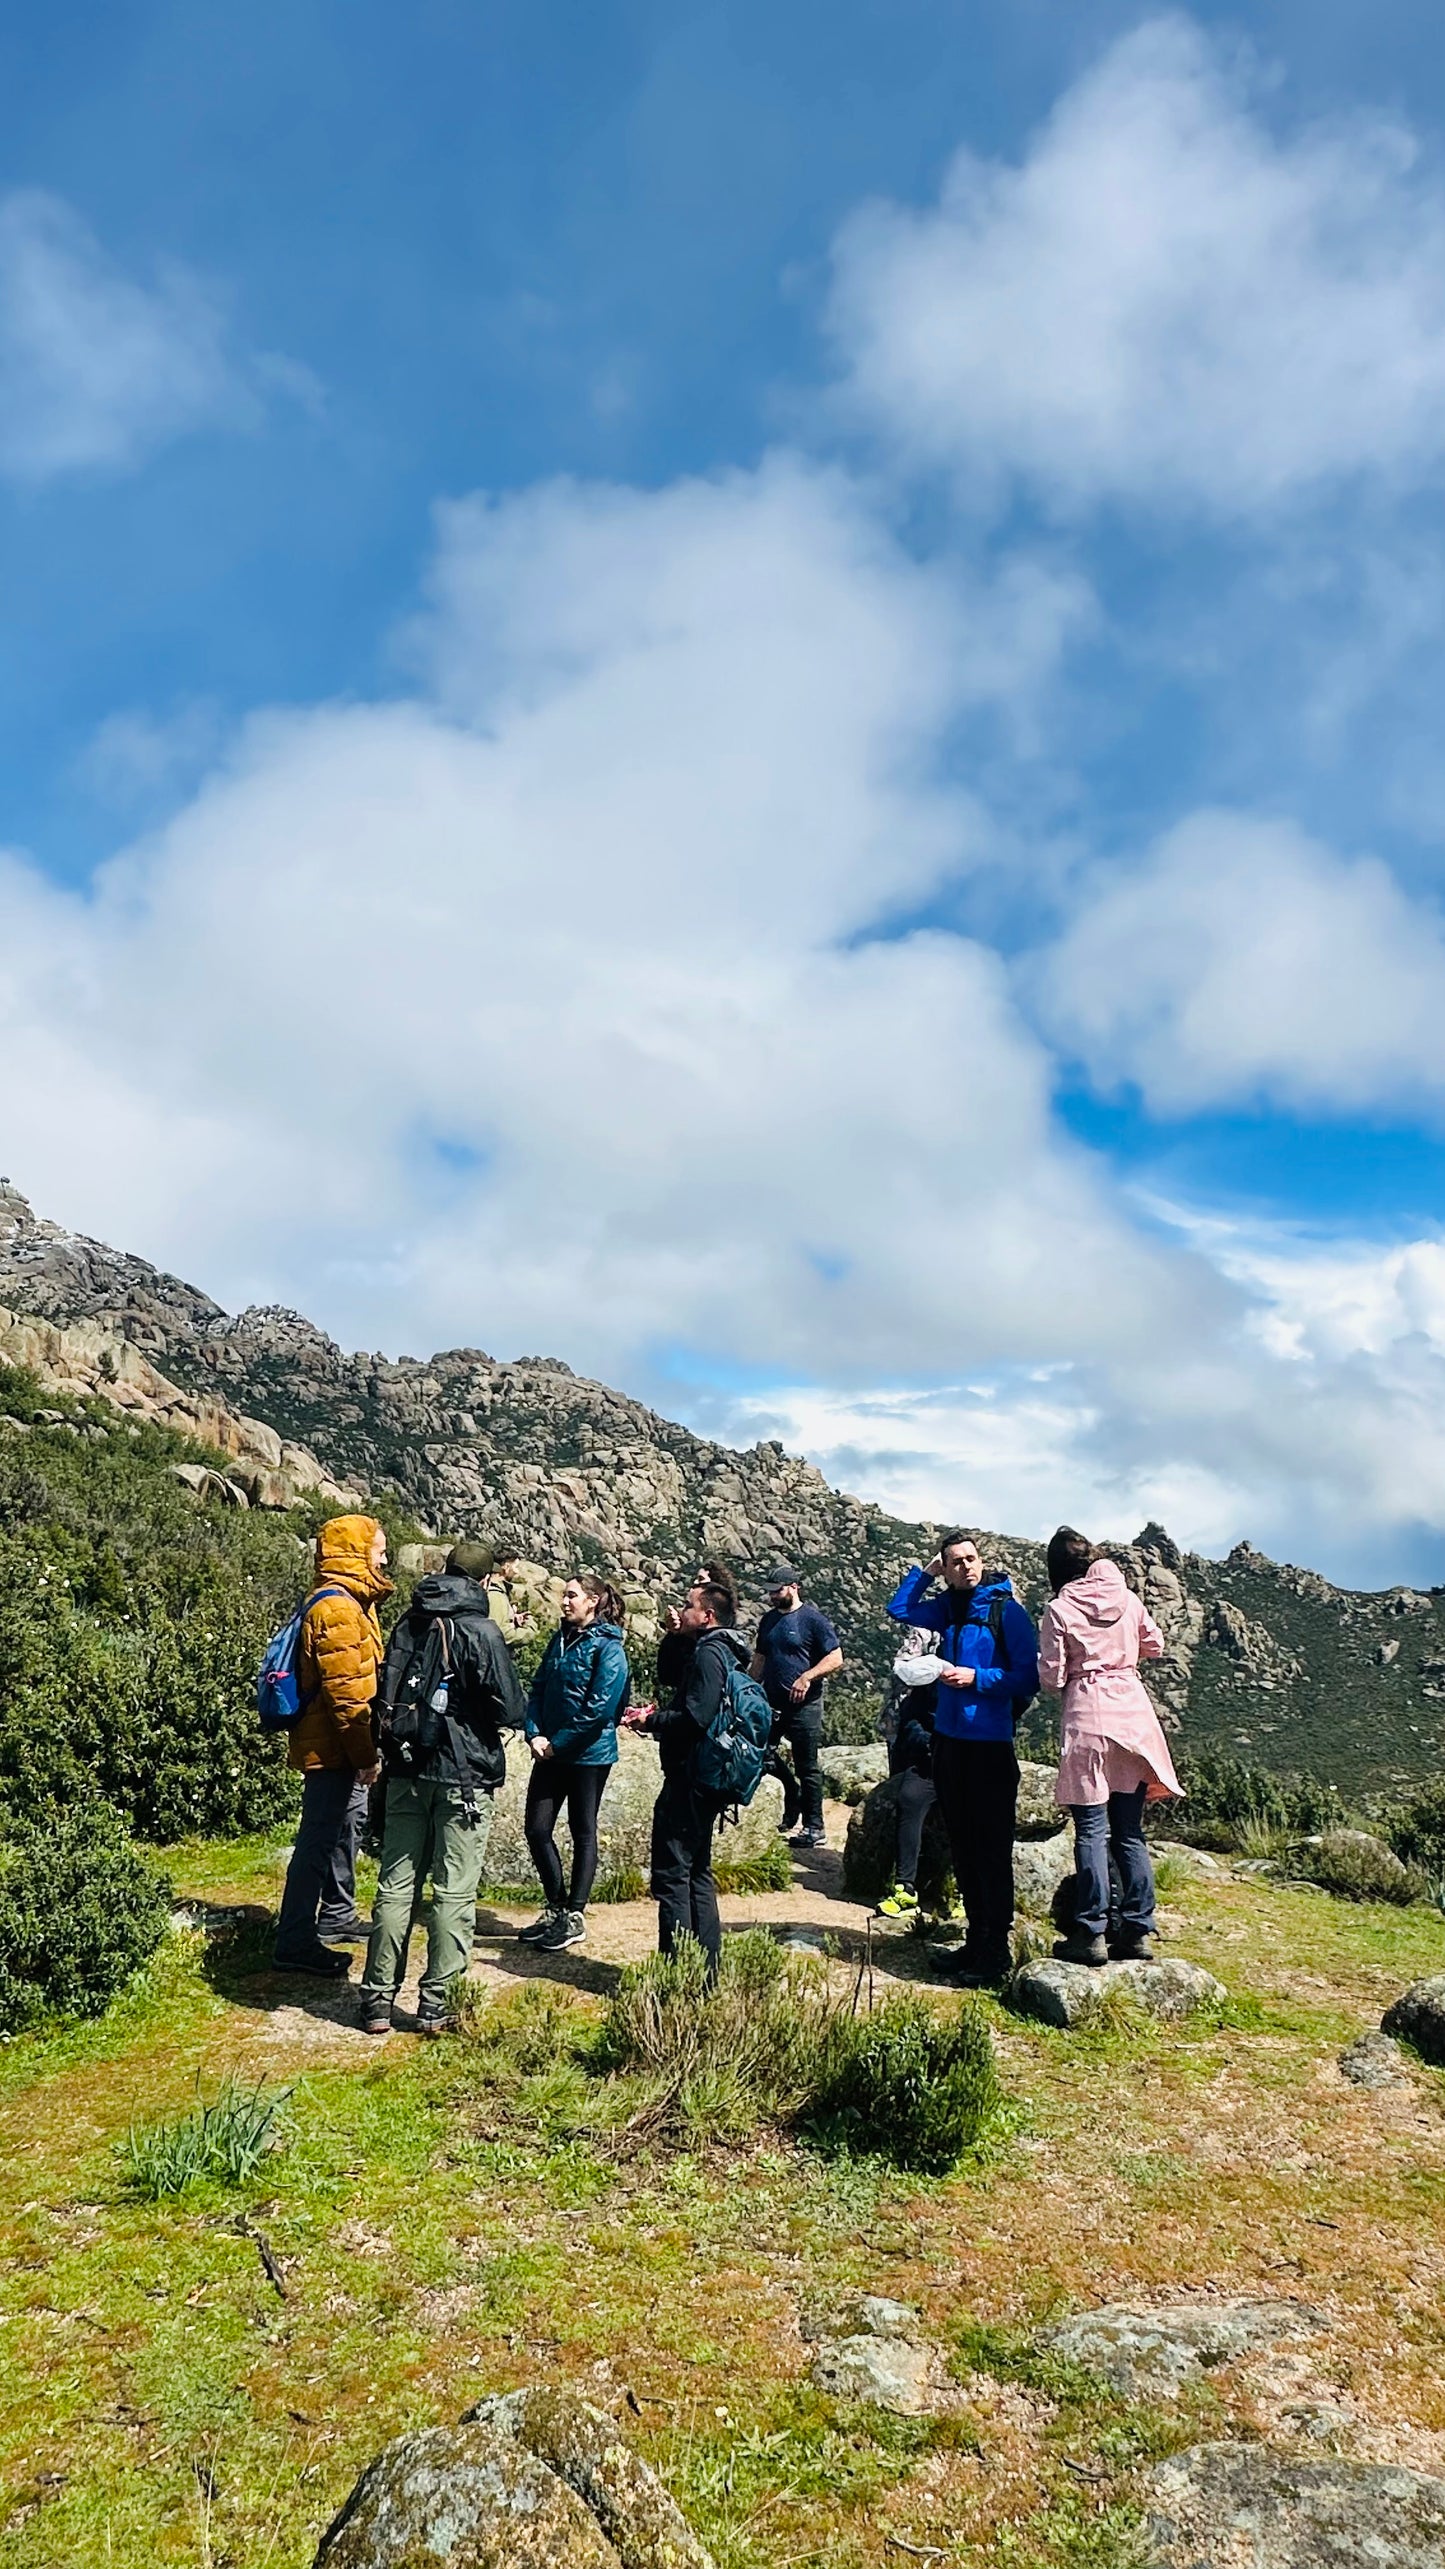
(320, 1893)
(1098, 1827)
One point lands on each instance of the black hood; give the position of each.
(447, 1593)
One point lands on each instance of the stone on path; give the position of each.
(880, 2358)
(1150, 2353)
(1072, 1994)
(1418, 2016)
(1373, 2060)
(533, 2479)
(1242, 2506)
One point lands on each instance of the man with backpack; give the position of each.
(712, 1740)
(989, 1651)
(448, 1688)
(795, 1651)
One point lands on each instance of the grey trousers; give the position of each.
(320, 1892)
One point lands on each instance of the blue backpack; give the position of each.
(278, 1691)
(730, 1755)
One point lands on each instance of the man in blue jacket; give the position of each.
(991, 1654)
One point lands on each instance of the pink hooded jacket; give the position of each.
(1092, 1638)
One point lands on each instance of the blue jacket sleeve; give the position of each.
(537, 1694)
(1021, 1677)
(909, 1605)
(607, 1683)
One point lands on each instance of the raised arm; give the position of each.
(911, 1603)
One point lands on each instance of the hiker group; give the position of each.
(417, 1725)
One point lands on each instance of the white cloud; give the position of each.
(1243, 961)
(98, 369)
(1167, 302)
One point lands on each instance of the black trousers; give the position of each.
(801, 1727)
(552, 1783)
(683, 1822)
(977, 1784)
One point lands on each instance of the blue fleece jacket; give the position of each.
(578, 1693)
(960, 1625)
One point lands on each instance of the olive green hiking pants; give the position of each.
(426, 1833)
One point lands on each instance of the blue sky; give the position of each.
(761, 682)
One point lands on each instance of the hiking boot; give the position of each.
(320, 1964)
(539, 1927)
(900, 1902)
(965, 1970)
(352, 1930)
(1139, 1948)
(434, 2021)
(1079, 1947)
(375, 2015)
(807, 1837)
(568, 1927)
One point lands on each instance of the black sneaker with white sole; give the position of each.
(569, 1927)
(539, 1928)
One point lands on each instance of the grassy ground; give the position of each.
(200, 2383)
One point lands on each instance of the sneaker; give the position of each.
(539, 1928)
(806, 1837)
(569, 1927)
(375, 2015)
(433, 2021)
(352, 1930)
(900, 1902)
(1078, 1947)
(320, 1965)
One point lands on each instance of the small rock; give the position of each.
(1241, 2506)
(1071, 1993)
(878, 2317)
(1418, 2016)
(892, 2372)
(1143, 2353)
(1193, 1859)
(1374, 2061)
(1386, 1653)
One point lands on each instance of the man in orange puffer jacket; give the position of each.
(333, 1744)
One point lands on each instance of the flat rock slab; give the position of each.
(1418, 2017)
(1150, 2353)
(1374, 2061)
(1241, 2506)
(1071, 1993)
(533, 2479)
(892, 2372)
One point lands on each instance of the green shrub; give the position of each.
(218, 2144)
(1231, 1806)
(908, 2083)
(80, 1911)
(772, 1870)
(1356, 1866)
(1417, 1833)
(720, 2059)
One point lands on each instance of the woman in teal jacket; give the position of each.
(577, 1695)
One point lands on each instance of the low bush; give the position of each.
(1417, 1833)
(1234, 1807)
(1356, 1866)
(80, 1911)
(908, 2083)
(222, 2143)
(717, 2060)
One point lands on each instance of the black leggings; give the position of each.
(551, 1783)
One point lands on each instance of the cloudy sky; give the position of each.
(754, 695)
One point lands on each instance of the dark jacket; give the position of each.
(963, 1635)
(692, 1669)
(485, 1694)
(578, 1692)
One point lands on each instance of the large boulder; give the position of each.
(1154, 2352)
(1241, 2506)
(532, 2479)
(1070, 1994)
(625, 1819)
(869, 1854)
(849, 1774)
(1418, 2017)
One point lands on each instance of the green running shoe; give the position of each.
(900, 1902)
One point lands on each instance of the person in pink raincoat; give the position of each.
(1114, 1757)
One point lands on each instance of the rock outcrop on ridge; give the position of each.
(1265, 1660)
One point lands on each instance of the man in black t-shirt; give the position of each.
(796, 1650)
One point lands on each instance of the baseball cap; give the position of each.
(780, 1576)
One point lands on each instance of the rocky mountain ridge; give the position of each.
(1266, 1660)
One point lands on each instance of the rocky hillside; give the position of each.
(1266, 1660)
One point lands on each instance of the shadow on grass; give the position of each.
(237, 1964)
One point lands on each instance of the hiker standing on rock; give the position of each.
(332, 1742)
(577, 1695)
(796, 1650)
(692, 1666)
(1114, 1757)
(448, 1687)
(990, 1673)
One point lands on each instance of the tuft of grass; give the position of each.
(718, 2059)
(908, 2083)
(222, 2143)
(772, 1870)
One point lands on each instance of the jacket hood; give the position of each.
(732, 1640)
(343, 1549)
(1100, 1597)
(446, 1592)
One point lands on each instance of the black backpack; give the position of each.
(415, 1716)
